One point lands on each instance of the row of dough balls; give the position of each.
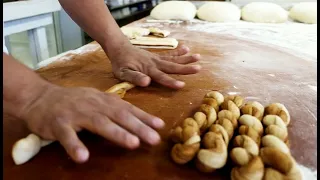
(259, 12)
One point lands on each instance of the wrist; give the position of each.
(113, 50)
(18, 106)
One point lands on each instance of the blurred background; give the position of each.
(36, 30)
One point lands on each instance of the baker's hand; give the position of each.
(58, 113)
(139, 66)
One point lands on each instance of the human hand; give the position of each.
(139, 66)
(59, 113)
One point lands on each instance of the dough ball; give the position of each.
(219, 12)
(305, 12)
(174, 10)
(133, 32)
(264, 12)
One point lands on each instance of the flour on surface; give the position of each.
(307, 173)
(68, 55)
(313, 88)
(296, 38)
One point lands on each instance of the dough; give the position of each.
(26, 148)
(305, 12)
(133, 32)
(158, 32)
(219, 12)
(264, 12)
(174, 10)
(158, 43)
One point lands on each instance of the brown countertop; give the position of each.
(256, 71)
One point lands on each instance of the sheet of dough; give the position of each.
(151, 42)
(133, 32)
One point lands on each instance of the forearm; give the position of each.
(94, 18)
(21, 86)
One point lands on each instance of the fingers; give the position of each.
(68, 138)
(127, 120)
(164, 79)
(178, 52)
(146, 118)
(182, 59)
(174, 68)
(104, 127)
(135, 77)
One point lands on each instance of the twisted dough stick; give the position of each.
(245, 152)
(233, 103)
(245, 156)
(188, 141)
(253, 108)
(280, 165)
(275, 153)
(275, 126)
(26, 148)
(215, 142)
(279, 110)
(252, 127)
(187, 136)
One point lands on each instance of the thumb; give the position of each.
(135, 77)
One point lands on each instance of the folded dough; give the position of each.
(158, 32)
(133, 32)
(157, 43)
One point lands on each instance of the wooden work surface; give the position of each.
(230, 65)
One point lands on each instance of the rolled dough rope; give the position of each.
(26, 148)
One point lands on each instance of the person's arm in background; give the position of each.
(128, 63)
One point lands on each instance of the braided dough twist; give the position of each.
(245, 152)
(279, 110)
(26, 148)
(188, 141)
(274, 125)
(280, 165)
(252, 127)
(214, 153)
(187, 136)
(275, 154)
(253, 108)
(233, 103)
(245, 155)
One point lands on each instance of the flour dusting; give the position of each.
(296, 38)
(68, 55)
(313, 88)
(307, 173)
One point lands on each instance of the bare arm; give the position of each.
(20, 86)
(94, 18)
